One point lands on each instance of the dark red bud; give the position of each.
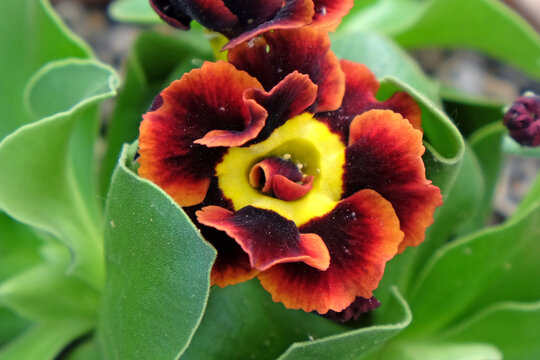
(523, 120)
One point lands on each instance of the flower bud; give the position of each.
(523, 120)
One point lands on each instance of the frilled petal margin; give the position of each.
(328, 13)
(294, 14)
(361, 233)
(288, 98)
(385, 154)
(275, 54)
(361, 88)
(267, 237)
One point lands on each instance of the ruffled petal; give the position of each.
(267, 237)
(328, 13)
(250, 13)
(169, 155)
(361, 88)
(211, 14)
(361, 233)
(385, 154)
(294, 14)
(289, 98)
(232, 264)
(276, 54)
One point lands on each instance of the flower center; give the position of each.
(281, 178)
(296, 172)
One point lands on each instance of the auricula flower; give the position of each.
(240, 20)
(292, 169)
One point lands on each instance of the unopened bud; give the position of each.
(523, 120)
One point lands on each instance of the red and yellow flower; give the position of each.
(292, 168)
(241, 20)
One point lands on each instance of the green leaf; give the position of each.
(512, 327)
(460, 204)
(11, 324)
(155, 60)
(470, 112)
(88, 350)
(44, 341)
(471, 273)
(355, 344)
(510, 146)
(158, 271)
(46, 294)
(242, 322)
(384, 58)
(137, 11)
(19, 247)
(46, 185)
(437, 350)
(531, 200)
(28, 30)
(488, 26)
(486, 143)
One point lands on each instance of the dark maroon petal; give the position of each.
(232, 138)
(361, 233)
(353, 312)
(251, 13)
(523, 120)
(385, 154)
(232, 263)
(290, 97)
(172, 13)
(267, 237)
(276, 54)
(294, 14)
(189, 110)
(328, 13)
(361, 88)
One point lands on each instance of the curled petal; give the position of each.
(232, 265)
(361, 88)
(274, 55)
(179, 13)
(385, 154)
(264, 171)
(185, 112)
(294, 14)
(267, 237)
(328, 13)
(288, 190)
(289, 98)
(361, 233)
(281, 178)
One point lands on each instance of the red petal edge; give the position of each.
(276, 54)
(385, 154)
(205, 99)
(267, 237)
(362, 233)
(360, 90)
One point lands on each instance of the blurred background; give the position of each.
(462, 69)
